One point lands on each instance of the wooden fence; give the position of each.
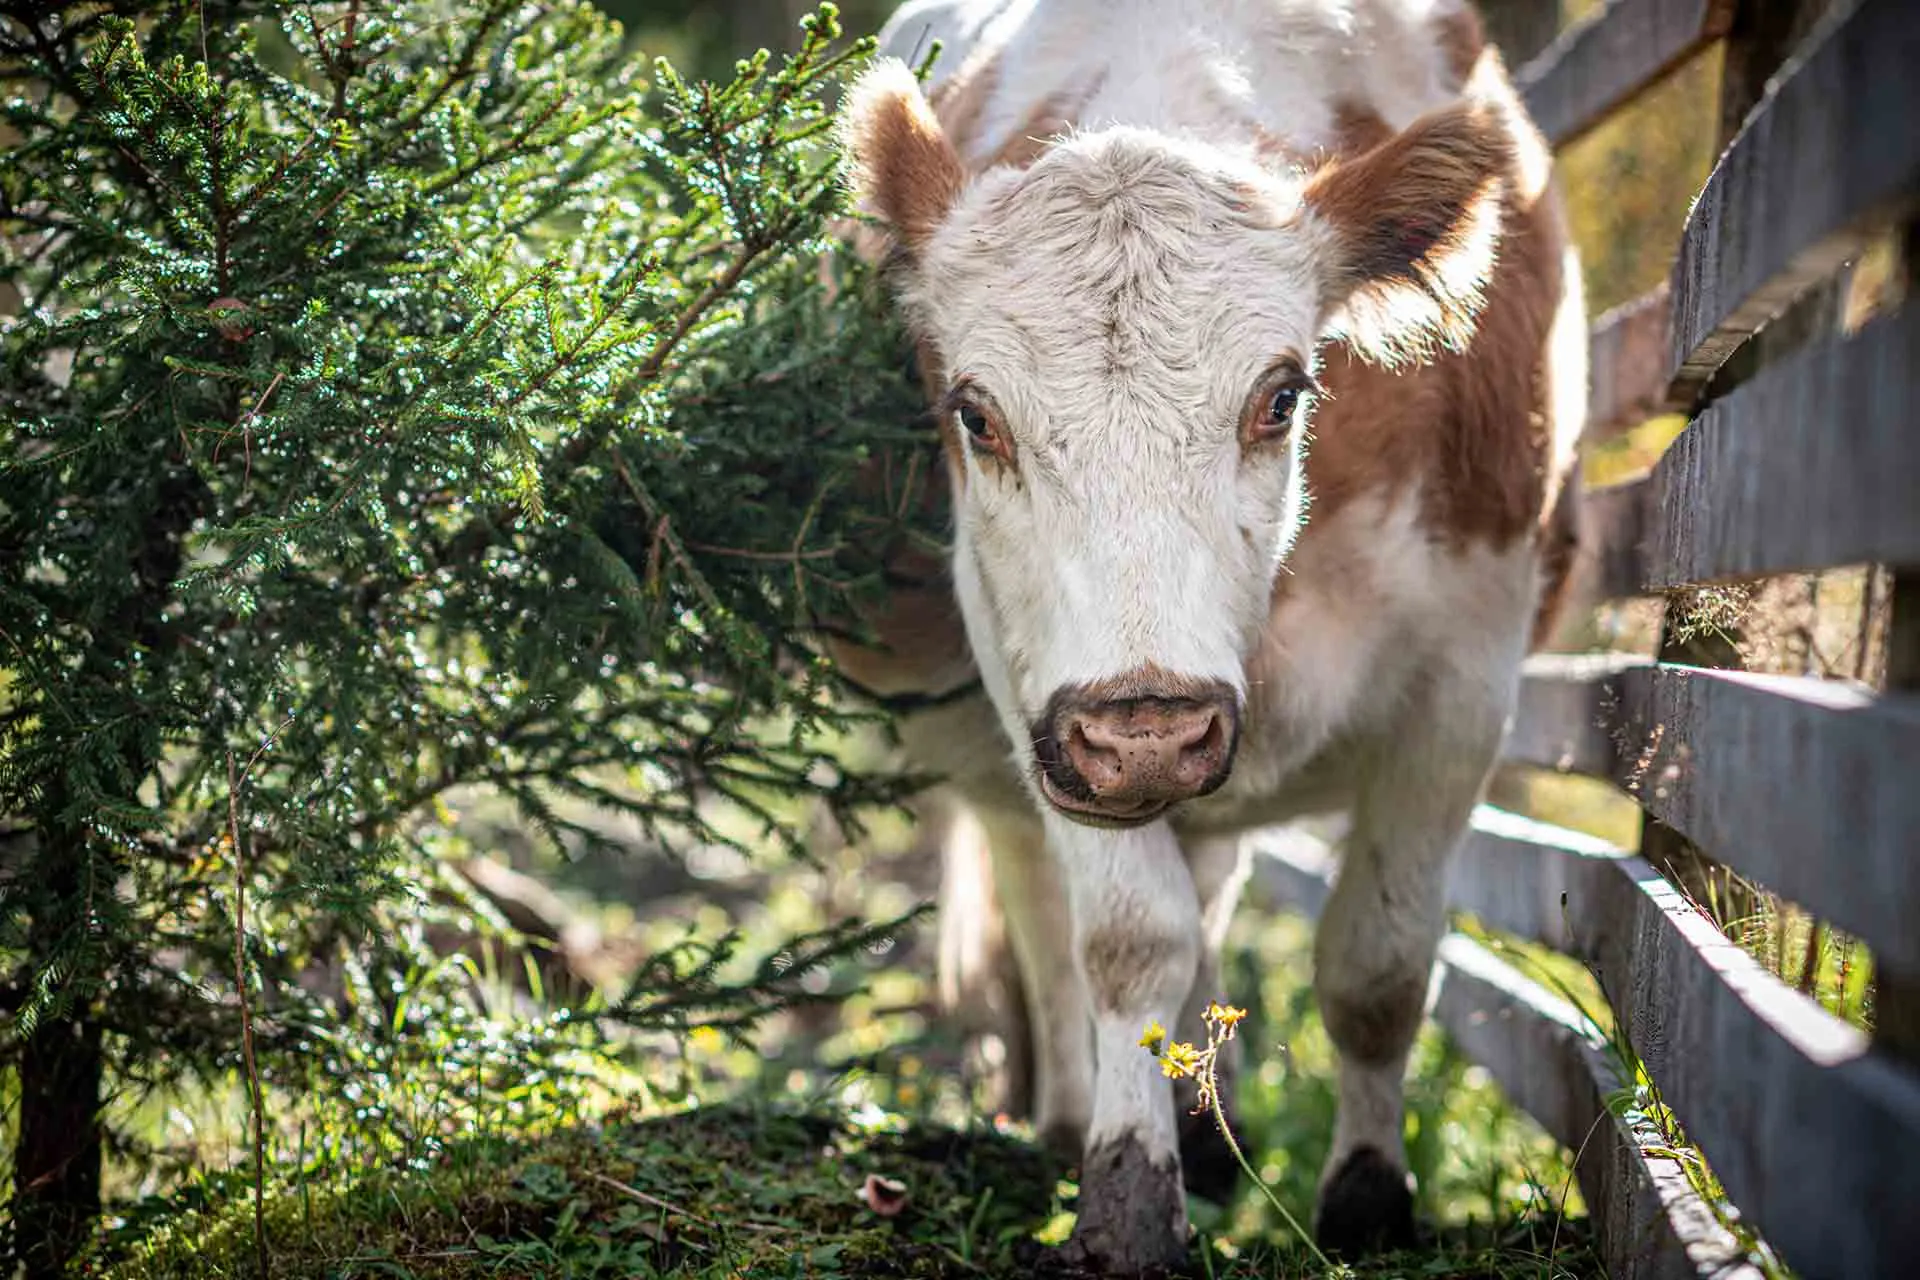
(1801, 453)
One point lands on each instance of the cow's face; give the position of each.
(1125, 334)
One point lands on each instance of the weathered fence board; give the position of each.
(1598, 65)
(1806, 786)
(1830, 155)
(1513, 874)
(1614, 545)
(1561, 719)
(1627, 362)
(1813, 1134)
(1813, 463)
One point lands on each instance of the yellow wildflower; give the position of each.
(1224, 1016)
(1180, 1059)
(1153, 1037)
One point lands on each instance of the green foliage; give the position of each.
(401, 398)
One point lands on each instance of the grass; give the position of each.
(771, 1184)
(743, 1190)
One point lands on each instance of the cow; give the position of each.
(1256, 346)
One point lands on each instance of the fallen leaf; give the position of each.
(884, 1196)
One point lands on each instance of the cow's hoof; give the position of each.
(1206, 1159)
(1365, 1207)
(1133, 1217)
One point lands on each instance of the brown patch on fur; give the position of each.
(1122, 964)
(1273, 150)
(1559, 552)
(1472, 426)
(921, 642)
(1376, 1028)
(1358, 128)
(1462, 40)
(1415, 222)
(903, 161)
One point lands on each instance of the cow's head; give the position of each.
(1125, 337)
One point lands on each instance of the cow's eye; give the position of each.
(980, 420)
(1274, 408)
(1285, 401)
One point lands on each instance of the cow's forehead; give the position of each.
(1124, 258)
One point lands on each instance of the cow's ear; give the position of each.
(903, 167)
(1414, 224)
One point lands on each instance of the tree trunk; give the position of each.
(56, 1195)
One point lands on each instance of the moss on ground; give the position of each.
(728, 1192)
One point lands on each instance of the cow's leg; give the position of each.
(1136, 926)
(979, 980)
(1036, 906)
(1219, 867)
(1373, 951)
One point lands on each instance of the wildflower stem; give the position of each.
(1233, 1145)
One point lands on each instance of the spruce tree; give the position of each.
(397, 397)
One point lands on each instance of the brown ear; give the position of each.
(1416, 222)
(903, 165)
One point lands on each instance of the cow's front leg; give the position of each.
(1136, 929)
(1374, 949)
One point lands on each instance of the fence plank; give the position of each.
(1815, 1136)
(1799, 189)
(1598, 65)
(1627, 360)
(1563, 710)
(1514, 872)
(1805, 786)
(1613, 539)
(1813, 463)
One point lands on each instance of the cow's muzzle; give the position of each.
(1124, 760)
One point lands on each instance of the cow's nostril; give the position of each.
(1098, 763)
(1202, 750)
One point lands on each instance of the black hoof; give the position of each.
(1133, 1218)
(1206, 1160)
(1366, 1207)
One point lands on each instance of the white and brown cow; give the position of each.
(1258, 355)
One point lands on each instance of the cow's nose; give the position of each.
(1128, 759)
